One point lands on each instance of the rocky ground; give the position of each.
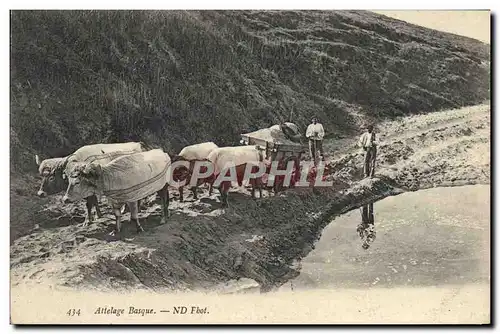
(204, 246)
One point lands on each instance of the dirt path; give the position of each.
(203, 245)
(413, 126)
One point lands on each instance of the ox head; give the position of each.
(82, 181)
(51, 171)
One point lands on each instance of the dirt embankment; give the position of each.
(203, 245)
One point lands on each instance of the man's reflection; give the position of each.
(366, 230)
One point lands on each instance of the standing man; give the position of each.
(315, 133)
(369, 144)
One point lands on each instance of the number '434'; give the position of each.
(72, 312)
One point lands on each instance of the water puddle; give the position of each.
(426, 238)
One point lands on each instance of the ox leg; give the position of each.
(118, 216)
(164, 195)
(134, 210)
(96, 205)
(166, 201)
(257, 185)
(210, 189)
(223, 196)
(89, 204)
(181, 194)
(195, 190)
(224, 190)
(92, 202)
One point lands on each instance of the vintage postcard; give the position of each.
(250, 167)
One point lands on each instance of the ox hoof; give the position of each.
(140, 229)
(163, 221)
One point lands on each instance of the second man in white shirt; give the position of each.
(315, 134)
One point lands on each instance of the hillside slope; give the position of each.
(176, 77)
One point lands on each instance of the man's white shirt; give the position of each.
(366, 140)
(315, 131)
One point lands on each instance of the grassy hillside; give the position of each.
(175, 77)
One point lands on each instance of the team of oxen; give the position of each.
(126, 173)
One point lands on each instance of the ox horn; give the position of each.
(37, 159)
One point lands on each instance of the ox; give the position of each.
(102, 154)
(240, 158)
(54, 171)
(124, 180)
(191, 154)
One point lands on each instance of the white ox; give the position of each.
(53, 170)
(124, 180)
(191, 154)
(239, 159)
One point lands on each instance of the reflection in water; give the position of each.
(433, 237)
(366, 230)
